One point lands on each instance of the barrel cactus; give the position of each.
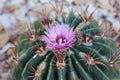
(71, 47)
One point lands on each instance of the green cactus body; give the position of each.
(72, 75)
(93, 58)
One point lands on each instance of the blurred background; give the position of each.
(15, 14)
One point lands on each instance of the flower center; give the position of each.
(60, 40)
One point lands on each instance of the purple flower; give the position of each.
(59, 37)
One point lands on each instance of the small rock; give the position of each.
(16, 2)
(5, 48)
(116, 25)
(11, 8)
(5, 21)
(70, 1)
(3, 39)
(1, 7)
(20, 13)
(44, 1)
(106, 6)
(2, 57)
(1, 1)
(31, 4)
(104, 1)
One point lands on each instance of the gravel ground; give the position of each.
(14, 14)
